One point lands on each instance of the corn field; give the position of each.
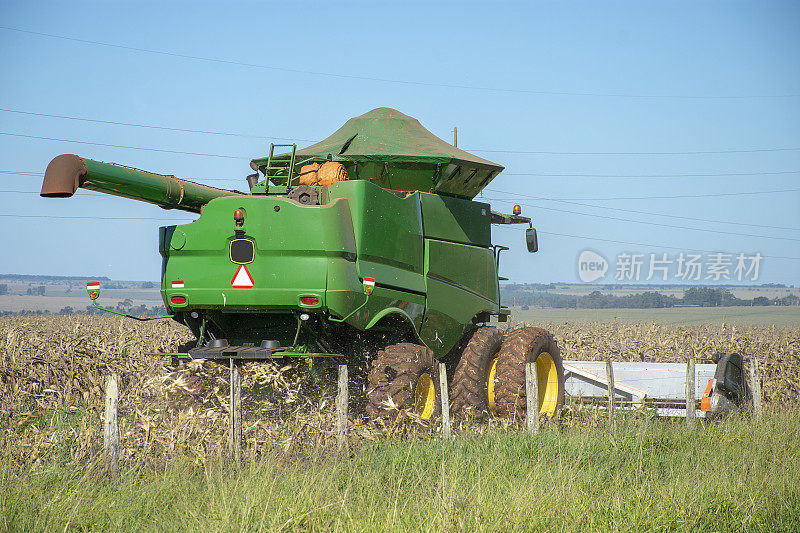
(52, 375)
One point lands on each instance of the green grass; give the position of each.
(781, 316)
(734, 475)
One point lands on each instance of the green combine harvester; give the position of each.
(369, 238)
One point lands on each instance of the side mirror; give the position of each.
(531, 240)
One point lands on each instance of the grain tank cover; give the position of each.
(395, 151)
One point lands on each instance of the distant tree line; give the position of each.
(694, 296)
(68, 282)
(125, 306)
(46, 278)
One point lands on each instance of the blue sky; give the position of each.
(588, 80)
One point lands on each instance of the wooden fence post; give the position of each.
(342, 400)
(531, 397)
(755, 388)
(231, 410)
(237, 404)
(690, 402)
(111, 426)
(445, 394)
(610, 379)
(235, 440)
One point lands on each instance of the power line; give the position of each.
(652, 245)
(89, 217)
(527, 205)
(87, 193)
(696, 152)
(665, 215)
(247, 135)
(555, 175)
(83, 193)
(542, 232)
(607, 198)
(21, 173)
(151, 126)
(248, 157)
(727, 174)
(660, 224)
(395, 80)
(505, 174)
(516, 195)
(122, 146)
(41, 175)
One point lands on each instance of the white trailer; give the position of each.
(718, 387)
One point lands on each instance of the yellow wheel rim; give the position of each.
(491, 379)
(424, 397)
(548, 384)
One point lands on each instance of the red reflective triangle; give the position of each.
(242, 279)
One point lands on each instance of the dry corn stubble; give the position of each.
(57, 365)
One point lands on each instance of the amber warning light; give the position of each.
(517, 209)
(238, 217)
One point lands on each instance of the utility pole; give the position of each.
(455, 136)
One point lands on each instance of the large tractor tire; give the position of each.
(403, 376)
(473, 390)
(529, 345)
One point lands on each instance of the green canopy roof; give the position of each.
(396, 151)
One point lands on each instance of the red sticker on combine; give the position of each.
(178, 284)
(369, 284)
(242, 279)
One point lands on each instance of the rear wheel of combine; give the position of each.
(529, 345)
(473, 392)
(403, 376)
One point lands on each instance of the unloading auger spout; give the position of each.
(67, 172)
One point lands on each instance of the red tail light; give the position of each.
(178, 300)
(309, 300)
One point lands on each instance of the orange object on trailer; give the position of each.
(705, 401)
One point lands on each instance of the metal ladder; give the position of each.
(274, 168)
